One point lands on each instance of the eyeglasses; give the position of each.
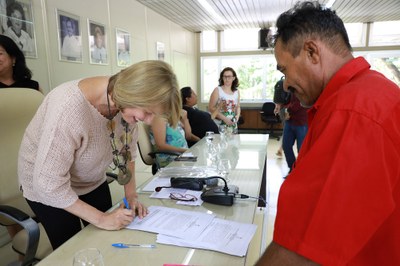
(228, 77)
(182, 197)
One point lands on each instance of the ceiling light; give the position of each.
(211, 11)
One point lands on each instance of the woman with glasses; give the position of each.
(226, 97)
(83, 127)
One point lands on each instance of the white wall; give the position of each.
(145, 26)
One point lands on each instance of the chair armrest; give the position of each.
(31, 227)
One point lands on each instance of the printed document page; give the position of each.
(173, 222)
(221, 235)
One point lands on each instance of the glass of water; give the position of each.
(209, 137)
(88, 257)
(224, 167)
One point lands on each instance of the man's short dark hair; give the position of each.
(311, 20)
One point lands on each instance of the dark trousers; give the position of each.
(292, 133)
(61, 225)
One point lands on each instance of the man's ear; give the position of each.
(312, 50)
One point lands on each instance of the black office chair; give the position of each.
(268, 116)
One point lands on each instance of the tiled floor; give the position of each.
(276, 169)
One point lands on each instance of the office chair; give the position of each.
(17, 107)
(146, 149)
(268, 117)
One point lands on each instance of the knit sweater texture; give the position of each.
(66, 148)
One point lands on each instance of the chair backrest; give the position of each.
(17, 107)
(268, 108)
(144, 143)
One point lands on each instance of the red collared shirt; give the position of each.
(341, 203)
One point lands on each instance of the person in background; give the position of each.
(81, 128)
(228, 94)
(13, 69)
(294, 129)
(99, 53)
(17, 28)
(166, 137)
(341, 204)
(200, 121)
(281, 98)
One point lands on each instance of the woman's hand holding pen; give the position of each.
(138, 208)
(117, 219)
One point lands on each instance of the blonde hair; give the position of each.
(148, 84)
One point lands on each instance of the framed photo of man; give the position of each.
(123, 48)
(97, 43)
(69, 37)
(16, 22)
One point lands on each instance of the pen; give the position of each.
(126, 203)
(122, 245)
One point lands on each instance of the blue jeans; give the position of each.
(290, 134)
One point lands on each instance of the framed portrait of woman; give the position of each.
(97, 43)
(123, 48)
(69, 37)
(16, 22)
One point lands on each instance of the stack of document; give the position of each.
(196, 230)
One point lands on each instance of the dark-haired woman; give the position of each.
(13, 69)
(227, 97)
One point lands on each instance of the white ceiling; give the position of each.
(240, 14)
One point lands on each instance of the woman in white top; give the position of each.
(226, 97)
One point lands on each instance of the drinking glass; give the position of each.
(88, 257)
(209, 137)
(222, 130)
(224, 167)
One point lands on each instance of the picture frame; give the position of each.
(98, 52)
(16, 22)
(160, 49)
(123, 44)
(69, 37)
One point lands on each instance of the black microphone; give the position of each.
(158, 189)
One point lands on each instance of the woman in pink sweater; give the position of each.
(81, 128)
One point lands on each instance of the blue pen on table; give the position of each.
(126, 203)
(122, 245)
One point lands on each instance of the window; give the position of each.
(257, 76)
(356, 33)
(208, 41)
(239, 40)
(385, 33)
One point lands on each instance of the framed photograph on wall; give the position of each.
(97, 43)
(69, 37)
(123, 48)
(16, 19)
(160, 48)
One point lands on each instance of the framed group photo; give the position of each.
(16, 22)
(69, 36)
(123, 45)
(97, 43)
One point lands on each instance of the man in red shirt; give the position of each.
(341, 204)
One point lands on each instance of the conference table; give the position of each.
(247, 154)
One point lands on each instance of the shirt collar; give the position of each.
(341, 77)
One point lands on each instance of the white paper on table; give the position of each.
(174, 222)
(187, 154)
(220, 235)
(157, 182)
(165, 192)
